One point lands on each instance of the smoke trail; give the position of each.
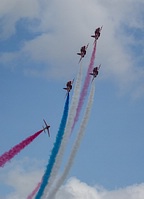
(16, 149)
(72, 113)
(76, 144)
(54, 150)
(34, 191)
(85, 87)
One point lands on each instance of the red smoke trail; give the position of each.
(34, 191)
(16, 149)
(85, 86)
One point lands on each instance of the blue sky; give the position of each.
(38, 45)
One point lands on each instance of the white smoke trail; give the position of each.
(69, 124)
(76, 144)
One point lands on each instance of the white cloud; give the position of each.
(74, 189)
(20, 176)
(23, 181)
(13, 11)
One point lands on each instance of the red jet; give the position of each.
(95, 71)
(46, 128)
(82, 52)
(69, 86)
(97, 33)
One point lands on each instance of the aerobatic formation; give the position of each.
(50, 183)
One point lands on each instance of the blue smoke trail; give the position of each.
(54, 150)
